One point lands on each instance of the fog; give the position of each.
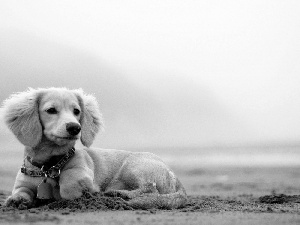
(166, 73)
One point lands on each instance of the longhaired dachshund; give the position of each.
(48, 122)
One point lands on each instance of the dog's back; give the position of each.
(144, 173)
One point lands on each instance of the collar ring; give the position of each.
(53, 172)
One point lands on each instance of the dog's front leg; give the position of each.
(24, 192)
(76, 180)
(21, 197)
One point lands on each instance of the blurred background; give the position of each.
(197, 82)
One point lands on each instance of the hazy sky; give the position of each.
(246, 53)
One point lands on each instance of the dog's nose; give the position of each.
(73, 128)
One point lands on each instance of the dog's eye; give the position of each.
(76, 112)
(51, 111)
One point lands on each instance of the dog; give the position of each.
(48, 122)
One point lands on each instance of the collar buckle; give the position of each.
(53, 172)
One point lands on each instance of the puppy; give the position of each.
(48, 122)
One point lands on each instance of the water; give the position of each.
(259, 156)
(11, 155)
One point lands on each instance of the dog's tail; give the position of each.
(174, 200)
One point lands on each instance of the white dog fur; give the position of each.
(38, 118)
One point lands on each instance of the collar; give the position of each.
(51, 168)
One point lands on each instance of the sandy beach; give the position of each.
(228, 195)
(210, 87)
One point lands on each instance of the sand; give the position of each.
(93, 208)
(215, 196)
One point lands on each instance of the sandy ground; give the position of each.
(226, 195)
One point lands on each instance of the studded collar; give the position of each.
(51, 168)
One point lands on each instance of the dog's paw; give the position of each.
(74, 189)
(71, 191)
(18, 201)
(148, 188)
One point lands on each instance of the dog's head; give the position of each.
(60, 115)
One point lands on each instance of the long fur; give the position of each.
(141, 177)
(91, 120)
(22, 117)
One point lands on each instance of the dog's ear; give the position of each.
(91, 118)
(21, 114)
